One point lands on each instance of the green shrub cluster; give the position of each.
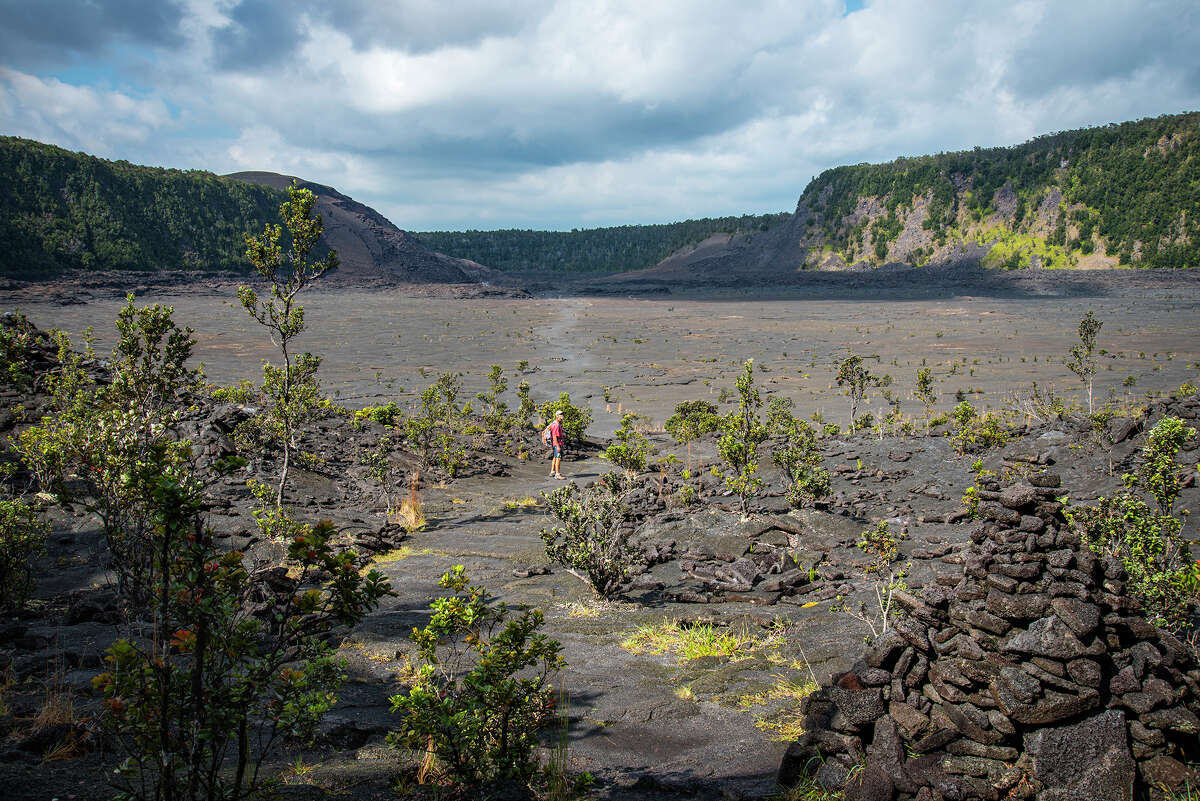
(1147, 539)
(591, 539)
(576, 419)
(482, 689)
(630, 450)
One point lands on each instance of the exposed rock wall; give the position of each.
(1027, 674)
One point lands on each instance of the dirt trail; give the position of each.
(563, 338)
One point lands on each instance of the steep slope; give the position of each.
(65, 211)
(69, 211)
(369, 246)
(1095, 197)
(1092, 198)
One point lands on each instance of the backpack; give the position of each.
(546, 436)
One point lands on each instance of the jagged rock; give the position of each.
(859, 707)
(1168, 772)
(998, 674)
(1089, 760)
(1048, 637)
(872, 783)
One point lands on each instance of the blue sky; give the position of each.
(455, 114)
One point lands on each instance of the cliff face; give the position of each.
(1121, 194)
(1094, 197)
(369, 246)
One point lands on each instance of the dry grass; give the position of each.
(786, 723)
(411, 515)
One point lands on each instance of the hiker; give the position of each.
(556, 444)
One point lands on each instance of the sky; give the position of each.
(560, 114)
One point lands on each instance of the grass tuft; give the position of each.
(689, 641)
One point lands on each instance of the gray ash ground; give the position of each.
(646, 725)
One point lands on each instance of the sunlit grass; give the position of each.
(689, 641)
(519, 503)
(787, 723)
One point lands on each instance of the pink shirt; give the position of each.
(556, 434)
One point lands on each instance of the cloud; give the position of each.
(103, 123)
(55, 31)
(527, 113)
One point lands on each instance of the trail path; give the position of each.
(629, 726)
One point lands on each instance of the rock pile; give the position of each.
(1029, 674)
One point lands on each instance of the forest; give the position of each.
(1129, 188)
(622, 247)
(1127, 191)
(64, 210)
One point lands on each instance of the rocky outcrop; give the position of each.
(1027, 674)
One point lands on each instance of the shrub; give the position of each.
(800, 459)
(241, 392)
(882, 545)
(496, 418)
(743, 433)
(1083, 356)
(525, 407)
(467, 705)
(853, 374)
(925, 392)
(692, 419)
(388, 415)
(434, 430)
(972, 432)
(575, 420)
(227, 664)
(22, 538)
(1159, 471)
(1147, 542)
(630, 450)
(93, 448)
(378, 461)
(591, 540)
(17, 338)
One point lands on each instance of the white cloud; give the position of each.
(105, 123)
(589, 112)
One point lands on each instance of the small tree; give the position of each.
(292, 389)
(1083, 355)
(467, 706)
(495, 411)
(691, 420)
(17, 340)
(575, 420)
(852, 373)
(800, 459)
(90, 450)
(1147, 542)
(199, 697)
(744, 432)
(525, 408)
(591, 540)
(378, 462)
(1159, 471)
(631, 448)
(883, 548)
(433, 431)
(925, 393)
